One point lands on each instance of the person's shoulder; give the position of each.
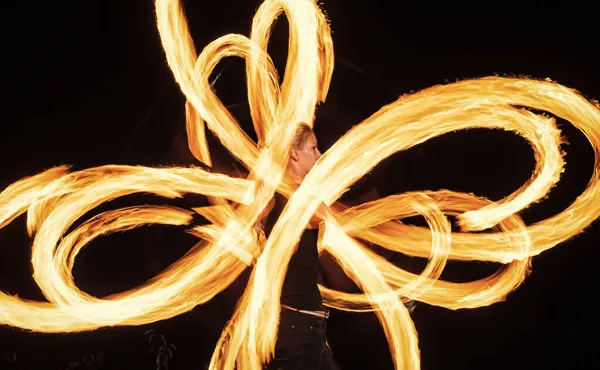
(277, 204)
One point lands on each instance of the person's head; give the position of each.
(304, 151)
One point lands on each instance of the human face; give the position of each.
(304, 157)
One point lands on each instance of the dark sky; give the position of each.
(86, 83)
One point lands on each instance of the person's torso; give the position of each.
(300, 287)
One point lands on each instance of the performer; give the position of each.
(301, 340)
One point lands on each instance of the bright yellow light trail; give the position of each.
(57, 198)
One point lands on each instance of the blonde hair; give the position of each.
(302, 134)
(300, 139)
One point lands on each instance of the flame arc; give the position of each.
(56, 198)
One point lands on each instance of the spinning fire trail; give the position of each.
(56, 198)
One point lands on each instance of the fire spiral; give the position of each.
(55, 199)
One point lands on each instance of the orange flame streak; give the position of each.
(55, 199)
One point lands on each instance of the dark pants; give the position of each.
(301, 343)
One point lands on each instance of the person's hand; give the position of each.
(410, 305)
(319, 216)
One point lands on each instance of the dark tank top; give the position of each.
(300, 286)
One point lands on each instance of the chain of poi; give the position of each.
(55, 199)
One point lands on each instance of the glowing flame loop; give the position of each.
(55, 199)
